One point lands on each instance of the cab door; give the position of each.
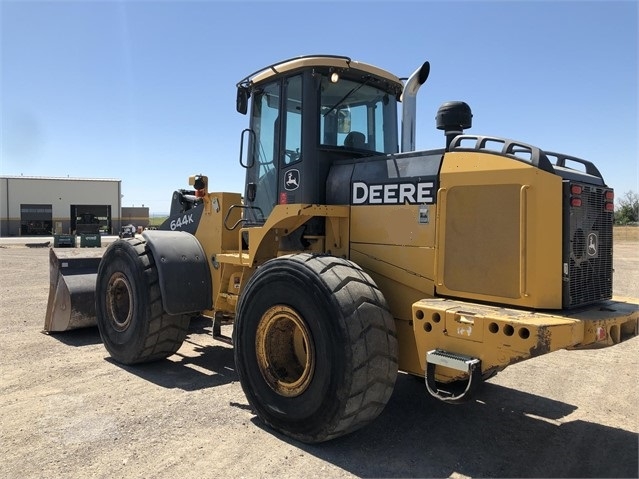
(261, 176)
(274, 174)
(292, 184)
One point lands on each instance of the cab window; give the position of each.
(357, 116)
(293, 139)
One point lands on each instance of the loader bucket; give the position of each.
(72, 276)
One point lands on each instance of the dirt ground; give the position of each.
(67, 410)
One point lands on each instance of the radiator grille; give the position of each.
(587, 245)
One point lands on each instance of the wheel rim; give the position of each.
(285, 353)
(119, 302)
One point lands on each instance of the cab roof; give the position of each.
(339, 63)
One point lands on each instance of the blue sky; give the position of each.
(144, 91)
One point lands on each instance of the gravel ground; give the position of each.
(68, 411)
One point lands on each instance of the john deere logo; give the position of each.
(292, 180)
(593, 244)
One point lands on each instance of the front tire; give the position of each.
(315, 346)
(132, 322)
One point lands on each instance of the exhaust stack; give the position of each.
(409, 109)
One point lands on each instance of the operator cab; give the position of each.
(306, 113)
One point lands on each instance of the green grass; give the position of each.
(157, 220)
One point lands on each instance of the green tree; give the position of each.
(627, 211)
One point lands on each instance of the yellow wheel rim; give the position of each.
(285, 353)
(119, 302)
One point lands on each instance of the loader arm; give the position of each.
(263, 241)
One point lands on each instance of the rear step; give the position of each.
(459, 362)
(72, 276)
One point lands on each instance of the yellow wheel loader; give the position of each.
(349, 257)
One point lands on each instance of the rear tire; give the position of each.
(315, 346)
(130, 316)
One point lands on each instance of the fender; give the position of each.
(183, 270)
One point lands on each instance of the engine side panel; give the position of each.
(392, 227)
(499, 231)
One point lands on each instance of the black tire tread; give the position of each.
(372, 339)
(165, 333)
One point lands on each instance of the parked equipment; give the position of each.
(347, 260)
(87, 223)
(127, 231)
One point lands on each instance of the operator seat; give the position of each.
(355, 139)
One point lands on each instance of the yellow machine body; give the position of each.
(491, 238)
(345, 259)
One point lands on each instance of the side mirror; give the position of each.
(344, 121)
(241, 103)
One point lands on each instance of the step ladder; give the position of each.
(459, 362)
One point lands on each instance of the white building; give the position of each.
(32, 205)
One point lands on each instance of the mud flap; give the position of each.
(183, 270)
(72, 277)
